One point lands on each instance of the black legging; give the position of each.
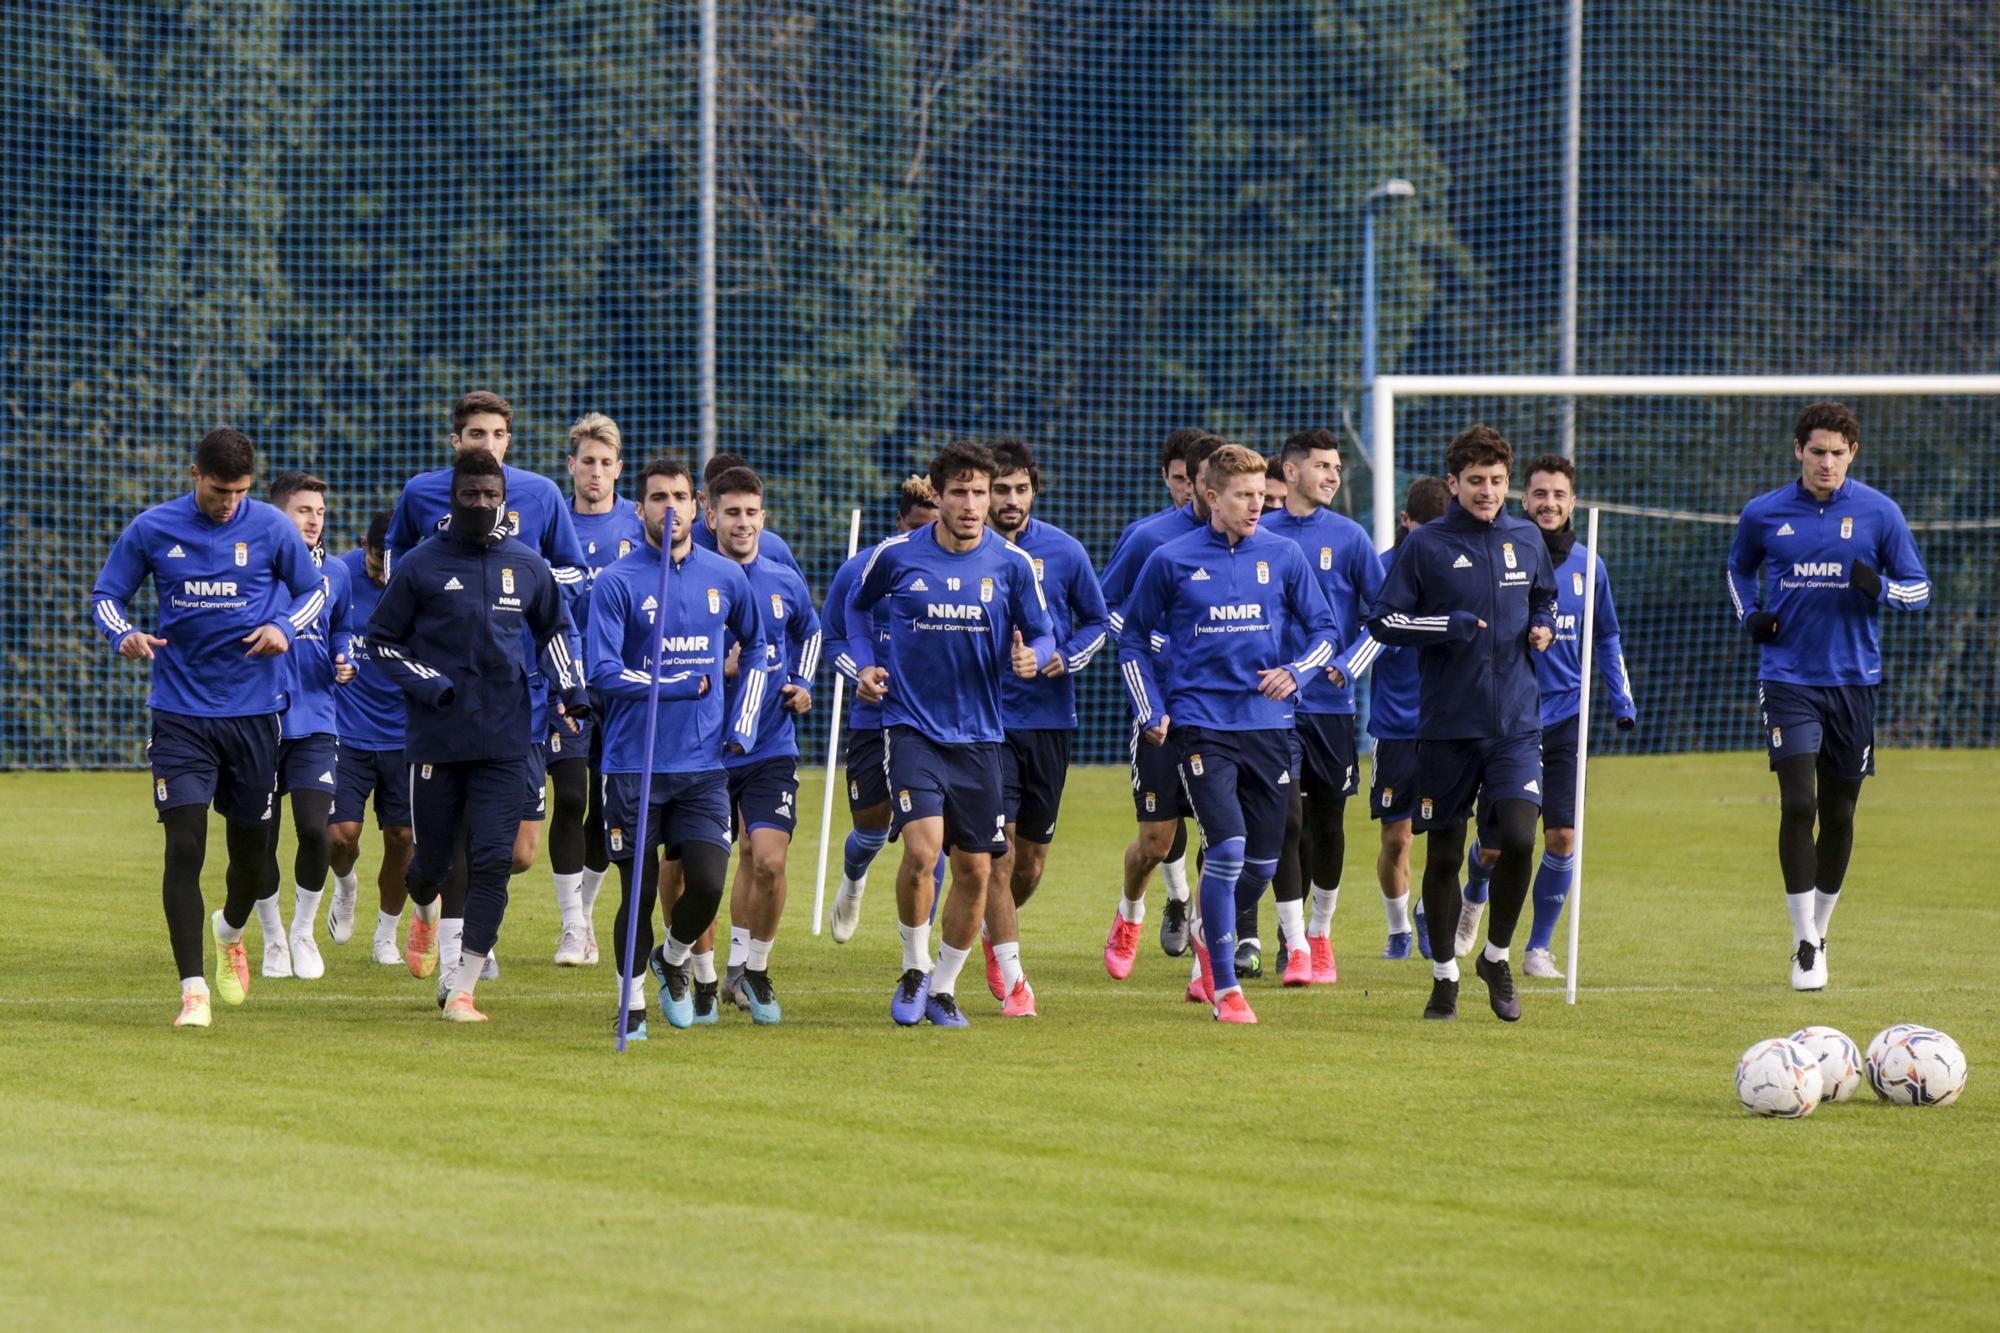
(252, 874)
(568, 814)
(1444, 850)
(704, 868)
(1323, 839)
(1807, 793)
(310, 812)
(596, 854)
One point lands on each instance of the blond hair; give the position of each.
(1231, 460)
(595, 426)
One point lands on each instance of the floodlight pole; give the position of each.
(705, 238)
(1382, 466)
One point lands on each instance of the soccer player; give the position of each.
(964, 607)
(770, 544)
(764, 780)
(308, 745)
(1173, 475)
(369, 714)
(1835, 552)
(633, 641)
(1550, 501)
(236, 585)
(450, 629)
(1227, 599)
(1475, 590)
(608, 529)
(1341, 559)
(1158, 797)
(1392, 721)
(1039, 716)
(867, 769)
(1275, 488)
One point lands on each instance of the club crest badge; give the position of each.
(1194, 764)
(1388, 797)
(1038, 568)
(986, 590)
(1263, 571)
(1576, 583)
(903, 800)
(715, 601)
(425, 772)
(618, 840)
(1507, 550)
(555, 742)
(1427, 808)
(507, 580)
(242, 554)
(1326, 557)
(1847, 528)
(1152, 801)
(513, 522)
(624, 548)
(160, 788)
(1777, 738)
(778, 605)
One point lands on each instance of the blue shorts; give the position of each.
(308, 763)
(765, 794)
(1835, 722)
(1239, 784)
(686, 807)
(1326, 741)
(535, 784)
(1455, 776)
(562, 744)
(1392, 795)
(385, 773)
(959, 783)
(1157, 794)
(230, 761)
(867, 770)
(1034, 767)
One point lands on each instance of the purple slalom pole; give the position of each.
(642, 848)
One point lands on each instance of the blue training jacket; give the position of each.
(839, 629)
(368, 710)
(1134, 548)
(1393, 690)
(217, 583)
(1081, 625)
(309, 665)
(1559, 671)
(1341, 558)
(1453, 573)
(1829, 633)
(605, 539)
(791, 657)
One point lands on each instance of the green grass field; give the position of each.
(331, 1155)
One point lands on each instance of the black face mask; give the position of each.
(1560, 542)
(474, 525)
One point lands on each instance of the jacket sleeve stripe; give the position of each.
(1081, 658)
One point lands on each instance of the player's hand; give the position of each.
(701, 690)
(1337, 676)
(1540, 637)
(872, 685)
(1761, 626)
(1864, 580)
(734, 747)
(796, 700)
(139, 646)
(1026, 664)
(343, 670)
(1054, 667)
(1156, 735)
(266, 641)
(732, 663)
(1626, 723)
(567, 720)
(1277, 683)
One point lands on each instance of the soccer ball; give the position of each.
(1839, 1061)
(1778, 1077)
(1916, 1066)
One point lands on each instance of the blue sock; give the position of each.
(1550, 892)
(1250, 885)
(859, 854)
(1477, 875)
(1221, 871)
(937, 883)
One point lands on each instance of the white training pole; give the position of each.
(1584, 632)
(832, 753)
(705, 233)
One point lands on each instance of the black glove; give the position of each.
(577, 712)
(1864, 580)
(1626, 723)
(1762, 626)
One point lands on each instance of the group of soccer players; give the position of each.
(493, 640)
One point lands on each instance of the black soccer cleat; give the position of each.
(1444, 1000)
(1174, 929)
(1249, 960)
(1500, 993)
(634, 1024)
(705, 1001)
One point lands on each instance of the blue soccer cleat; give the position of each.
(634, 1023)
(1422, 931)
(753, 992)
(942, 1011)
(906, 1006)
(1398, 947)
(676, 1003)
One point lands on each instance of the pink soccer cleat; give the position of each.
(1298, 967)
(1325, 968)
(1206, 981)
(994, 981)
(1020, 1002)
(1121, 948)
(1231, 1007)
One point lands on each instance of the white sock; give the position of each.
(950, 962)
(385, 926)
(676, 952)
(1494, 955)
(470, 965)
(1804, 928)
(1175, 874)
(635, 992)
(1398, 912)
(569, 900)
(349, 884)
(224, 932)
(199, 985)
(739, 945)
(1132, 909)
(1324, 903)
(1823, 905)
(1292, 924)
(916, 946)
(305, 909)
(451, 947)
(431, 912)
(1009, 958)
(701, 966)
(592, 881)
(1445, 971)
(758, 958)
(268, 920)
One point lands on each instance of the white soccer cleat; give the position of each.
(340, 914)
(388, 953)
(1469, 917)
(491, 971)
(589, 945)
(1541, 963)
(1809, 966)
(277, 958)
(570, 950)
(307, 965)
(847, 908)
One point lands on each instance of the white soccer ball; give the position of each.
(1916, 1066)
(1778, 1077)
(1839, 1061)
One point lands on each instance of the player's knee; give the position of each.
(1560, 841)
(1397, 837)
(1156, 841)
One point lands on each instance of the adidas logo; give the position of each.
(1533, 786)
(177, 553)
(453, 585)
(1284, 777)
(1786, 531)
(1199, 576)
(920, 586)
(650, 604)
(1461, 563)
(326, 776)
